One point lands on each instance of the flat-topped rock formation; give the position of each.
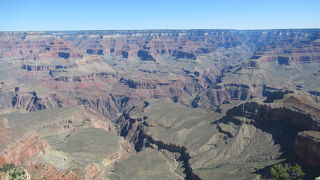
(283, 46)
(177, 104)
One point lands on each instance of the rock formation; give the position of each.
(307, 146)
(196, 104)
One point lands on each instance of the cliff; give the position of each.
(22, 150)
(307, 147)
(148, 44)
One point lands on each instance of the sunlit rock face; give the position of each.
(159, 104)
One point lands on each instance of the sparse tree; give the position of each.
(14, 173)
(6, 167)
(286, 172)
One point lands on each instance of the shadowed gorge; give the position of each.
(159, 104)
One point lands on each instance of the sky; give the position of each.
(43, 15)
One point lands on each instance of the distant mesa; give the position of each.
(176, 104)
(184, 55)
(283, 60)
(145, 56)
(64, 55)
(95, 51)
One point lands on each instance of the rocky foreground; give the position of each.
(159, 104)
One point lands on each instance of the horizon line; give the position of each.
(166, 29)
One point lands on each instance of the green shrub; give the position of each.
(6, 167)
(15, 173)
(286, 172)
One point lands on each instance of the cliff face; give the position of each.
(263, 114)
(224, 94)
(307, 147)
(279, 45)
(29, 101)
(23, 150)
(144, 44)
(297, 114)
(92, 171)
(195, 96)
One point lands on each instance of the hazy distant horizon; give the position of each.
(75, 30)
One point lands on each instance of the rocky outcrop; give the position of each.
(95, 51)
(137, 85)
(264, 114)
(296, 114)
(42, 67)
(223, 94)
(29, 101)
(250, 64)
(64, 55)
(92, 171)
(91, 77)
(110, 106)
(145, 55)
(125, 151)
(22, 150)
(307, 147)
(183, 55)
(274, 95)
(180, 44)
(114, 73)
(289, 48)
(42, 171)
(134, 131)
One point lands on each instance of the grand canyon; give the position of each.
(159, 104)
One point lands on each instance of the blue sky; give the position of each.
(23, 15)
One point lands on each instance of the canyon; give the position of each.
(160, 104)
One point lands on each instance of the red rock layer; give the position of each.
(22, 150)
